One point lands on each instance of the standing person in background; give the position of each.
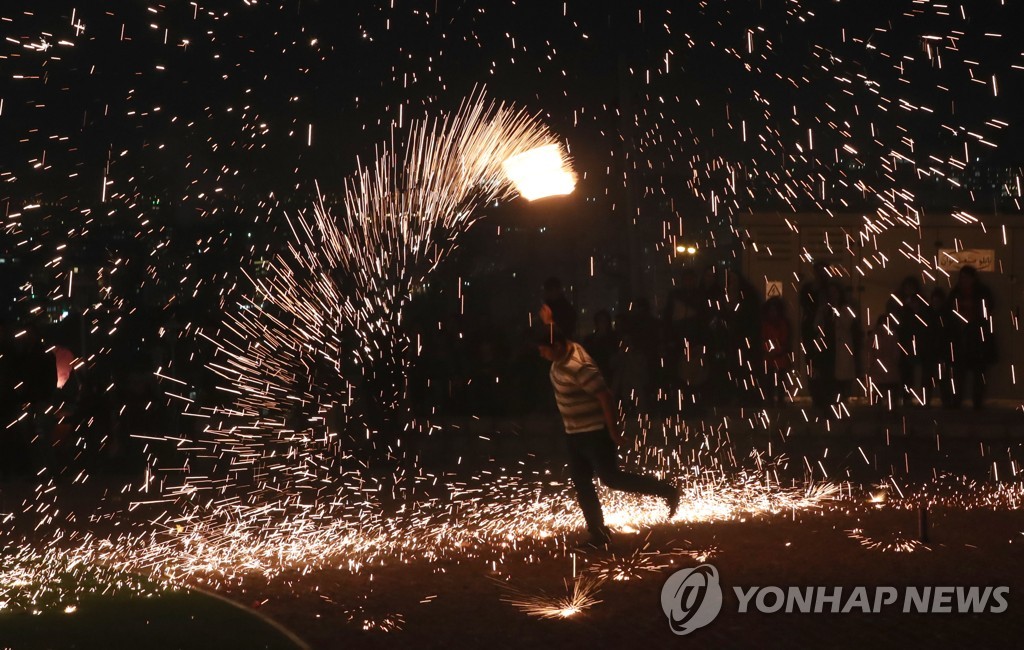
(36, 383)
(883, 363)
(934, 349)
(742, 312)
(12, 452)
(837, 347)
(591, 421)
(718, 388)
(639, 360)
(686, 339)
(557, 310)
(908, 309)
(972, 336)
(849, 341)
(817, 353)
(777, 345)
(603, 344)
(821, 350)
(682, 317)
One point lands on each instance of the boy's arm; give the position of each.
(611, 415)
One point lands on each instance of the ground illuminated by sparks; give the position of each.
(224, 547)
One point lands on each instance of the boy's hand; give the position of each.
(611, 416)
(616, 436)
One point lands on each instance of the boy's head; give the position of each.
(551, 343)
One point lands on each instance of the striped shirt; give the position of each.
(577, 382)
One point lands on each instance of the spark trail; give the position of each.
(319, 350)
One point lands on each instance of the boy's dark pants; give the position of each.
(593, 453)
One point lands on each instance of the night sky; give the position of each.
(237, 99)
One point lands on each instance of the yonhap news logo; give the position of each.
(692, 599)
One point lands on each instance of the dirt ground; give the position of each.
(459, 604)
(426, 603)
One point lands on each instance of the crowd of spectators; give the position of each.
(57, 412)
(715, 342)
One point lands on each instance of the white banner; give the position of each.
(982, 259)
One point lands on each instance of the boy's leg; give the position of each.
(582, 472)
(606, 464)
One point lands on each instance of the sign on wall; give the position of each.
(772, 289)
(982, 259)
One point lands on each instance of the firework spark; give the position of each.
(580, 595)
(640, 563)
(325, 323)
(896, 542)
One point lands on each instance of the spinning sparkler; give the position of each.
(323, 338)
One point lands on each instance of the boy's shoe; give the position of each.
(673, 504)
(599, 541)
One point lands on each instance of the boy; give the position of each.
(590, 416)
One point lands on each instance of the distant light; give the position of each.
(689, 250)
(540, 173)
